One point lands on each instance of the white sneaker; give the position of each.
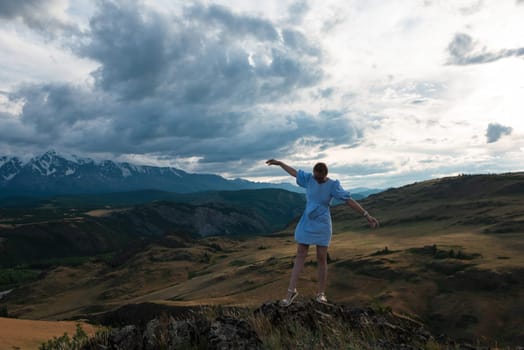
(321, 298)
(286, 302)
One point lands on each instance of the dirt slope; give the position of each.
(27, 334)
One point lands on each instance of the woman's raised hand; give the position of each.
(372, 221)
(273, 162)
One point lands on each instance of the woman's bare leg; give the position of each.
(322, 268)
(302, 250)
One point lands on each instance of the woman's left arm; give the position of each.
(358, 208)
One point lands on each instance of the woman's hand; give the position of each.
(291, 171)
(273, 162)
(358, 208)
(372, 221)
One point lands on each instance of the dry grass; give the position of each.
(28, 334)
(251, 272)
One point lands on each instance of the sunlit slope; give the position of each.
(487, 203)
(27, 334)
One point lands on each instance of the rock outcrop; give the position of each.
(368, 327)
(302, 325)
(224, 332)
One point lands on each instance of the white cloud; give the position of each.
(29, 60)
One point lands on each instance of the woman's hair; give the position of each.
(321, 168)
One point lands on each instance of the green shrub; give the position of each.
(80, 340)
(11, 277)
(384, 251)
(65, 342)
(237, 263)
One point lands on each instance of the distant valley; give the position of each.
(88, 225)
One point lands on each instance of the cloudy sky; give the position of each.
(386, 92)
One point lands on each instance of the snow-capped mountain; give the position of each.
(52, 174)
(9, 168)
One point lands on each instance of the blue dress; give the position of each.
(314, 226)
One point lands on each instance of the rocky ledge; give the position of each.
(302, 325)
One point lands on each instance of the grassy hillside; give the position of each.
(49, 234)
(126, 199)
(484, 203)
(449, 254)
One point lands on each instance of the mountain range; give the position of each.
(55, 174)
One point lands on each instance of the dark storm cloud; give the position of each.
(260, 138)
(50, 107)
(194, 85)
(202, 57)
(220, 17)
(14, 134)
(131, 47)
(57, 116)
(54, 115)
(96, 122)
(463, 51)
(495, 131)
(35, 14)
(13, 9)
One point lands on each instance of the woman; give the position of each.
(314, 226)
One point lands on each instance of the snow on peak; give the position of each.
(125, 171)
(9, 167)
(137, 168)
(45, 164)
(66, 164)
(52, 155)
(37, 169)
(76, 159)
(9, 177)
(43, 169)
(6, 160)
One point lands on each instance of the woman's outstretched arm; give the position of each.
(291, 171)
(358, 208)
